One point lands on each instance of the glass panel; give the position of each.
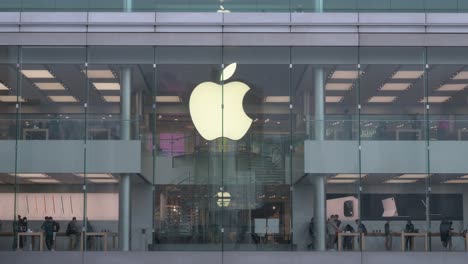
(8, 114)
(51, 147)
(447, 81)
(120, 81)
(256, 157)
(394, 148)
(324, 90)
(189, 165)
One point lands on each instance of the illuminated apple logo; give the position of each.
(217, 111)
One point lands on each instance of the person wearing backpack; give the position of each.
(73, 232)
(48, 228)
(362, 230)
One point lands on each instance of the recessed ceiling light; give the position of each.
(30, 175)
(100, 74)
(345, 75)
(382, 99)
(3, 87)
(37, 74)
(50, 86)
(168, 99)
(463, 75)
(349, 176)
(401, 181)
(107, 86)
(452, 87)
(457, 181)
(339, 181)
(277, 99)
(333, 99)
(413, 176)
(63, 99)
(407, 74)
(338, 86)
(104, 180)
(435, 99)
(112, 98)
(11, 99)
(44, 180)
(95, 175)
(395, 86)
(464, 177)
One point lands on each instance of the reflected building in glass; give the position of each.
(233, 131)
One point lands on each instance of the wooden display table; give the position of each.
(353, 235)
(412, 236)
(32, 235)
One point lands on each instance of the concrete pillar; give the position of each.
(319, 181)
(128, 5)
(318, 6)
(125, 130)
(319, 104)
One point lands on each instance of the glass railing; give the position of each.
(66, 127)
(450, 6)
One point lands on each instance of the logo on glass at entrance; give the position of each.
(217, 110)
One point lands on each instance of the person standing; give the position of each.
(362, 230)
(311, 246)
(446, 234)
(347, 240)
(409, 228)
(332, 230)
(48, 228)
(56, 227)
(19, 228)
(73, 231)
(388, 236)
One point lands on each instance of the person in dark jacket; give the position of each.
(388, 236)
(48, 228)
(409, 228)
(348, 240)
(446, 234)
(73, 232)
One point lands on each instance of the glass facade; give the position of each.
(451, 6)
(233, 148)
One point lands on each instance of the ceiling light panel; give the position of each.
(63, 99)
(349, 176)
(460, 181)
(49, 86)
(341, 181)
(168, 99)
(407, 74)
(333, 99)
(345, 75)
(338, 86)
(395, 86)
(452, 87)
(10, 99)
(3, 87)
(104, 180)
(37, 74)
(413, 176)
(112, 98)
(31, 175)
(435, 99)
(277, 99)
(111, 86)
(382, 99)
(401, 181)
(95, 175)
(43, 180)
(100, 74)
(463, 75)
